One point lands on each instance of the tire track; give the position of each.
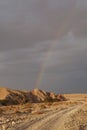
(51, 121)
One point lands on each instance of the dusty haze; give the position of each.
(27, 28)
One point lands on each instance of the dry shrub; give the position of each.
(27, 105)
(40, 112)
(37, 112)
(43, 106)
(71, 103)
(49, 104)
(17, 112)
(85, 96)
(1, 111)
(55, 103)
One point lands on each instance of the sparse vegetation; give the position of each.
(1, 111)
(17, 114)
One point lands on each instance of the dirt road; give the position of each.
(57, 120)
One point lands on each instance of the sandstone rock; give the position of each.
(14, 97)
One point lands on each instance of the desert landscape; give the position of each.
(43, 64)
(40, 110)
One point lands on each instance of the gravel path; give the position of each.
(54, 120)
(73, 117)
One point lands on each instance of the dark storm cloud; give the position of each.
(27, 28)
(65, 67)
(23, 23)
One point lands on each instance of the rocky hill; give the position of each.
(14, 97)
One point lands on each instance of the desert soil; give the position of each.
(66, 115)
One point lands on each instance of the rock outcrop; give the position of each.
(14, 97)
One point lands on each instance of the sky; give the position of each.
(43, 44)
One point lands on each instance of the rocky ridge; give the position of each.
(15, 97)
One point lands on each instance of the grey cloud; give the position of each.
(65, 67)
(23, 23)
(28, 29)
(82, 4)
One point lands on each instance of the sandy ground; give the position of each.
(67, 115)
